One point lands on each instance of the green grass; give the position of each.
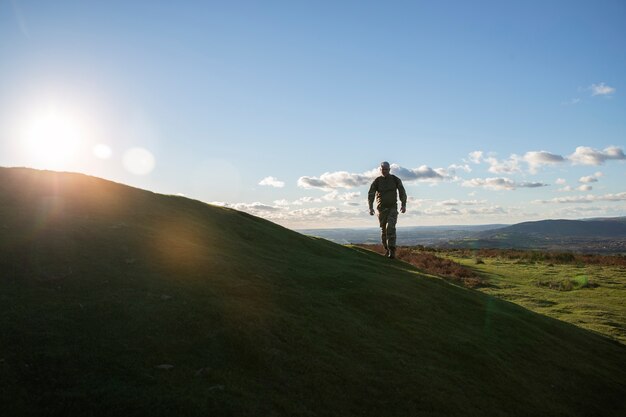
(589, 295)
(102, 284)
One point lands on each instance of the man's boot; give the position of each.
(386, 253)
(392, 253)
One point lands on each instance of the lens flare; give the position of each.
(102, 151)
(139, 161)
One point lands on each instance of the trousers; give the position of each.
(387, 218)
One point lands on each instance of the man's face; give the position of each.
(385, 171)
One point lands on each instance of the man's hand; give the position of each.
(371, 212)
(403, 209)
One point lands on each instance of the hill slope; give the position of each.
(118, 301)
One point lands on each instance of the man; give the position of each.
(384, 189)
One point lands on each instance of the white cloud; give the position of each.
(583, 187)
(588, 179)
(535, 159)
(454, 167)
(282, 202)
(509, 166)
(417, 202)
(451, 202)
(561, 181)
(343, 179)
(448, 211)
(349, 213)
(453, 211)
(272, 182)
(336, 196)
(528, 184)
(496, 166)
(501, 184)
(256, 206)
(601, 89)
(542, 157)
(303, 200)
(316, 214)
(476, 157)
(585, 199)
(332, 180)
(423, 173)
(585, 155)
(487, 210)
(454, 202)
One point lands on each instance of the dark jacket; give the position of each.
(385, 191)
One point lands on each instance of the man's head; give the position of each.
(385, 168)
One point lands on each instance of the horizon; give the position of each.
(490, 113)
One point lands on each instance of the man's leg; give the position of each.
(382, 219)
(392, 219)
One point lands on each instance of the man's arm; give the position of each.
(402, 193)
(371, 195)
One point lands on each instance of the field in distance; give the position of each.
(580, 290)
(585, 290)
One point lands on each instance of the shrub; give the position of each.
(564, 257)
(569, 284)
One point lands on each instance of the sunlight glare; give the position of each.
(52, 137)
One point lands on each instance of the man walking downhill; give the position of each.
(384, 189)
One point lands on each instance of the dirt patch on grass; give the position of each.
(435, 265)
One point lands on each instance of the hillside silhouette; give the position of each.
(120, 301)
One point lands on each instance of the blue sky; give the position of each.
(490, 111)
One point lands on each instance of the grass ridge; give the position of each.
(118, 300)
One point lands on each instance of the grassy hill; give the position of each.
(119, 301)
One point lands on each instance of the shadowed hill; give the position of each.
(564, 228)
(119, 301)
(609, 219)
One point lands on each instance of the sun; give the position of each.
(52, 137)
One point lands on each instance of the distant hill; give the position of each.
(565, 228)
(118, 301)
(585, 236)
(608, 219)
